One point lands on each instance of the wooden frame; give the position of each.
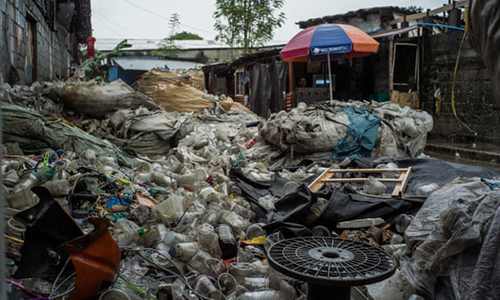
(327, 175)
(430, 12)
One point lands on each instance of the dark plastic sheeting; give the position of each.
(293, 210)
(268, 83)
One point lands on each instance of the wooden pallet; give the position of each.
(327, 175)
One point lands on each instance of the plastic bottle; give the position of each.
(174, 164)
(58, 188)
(185, 251)
(169, 210)
(256, 283)
(208, 240)
(27, 182)
(131, 235)
(190, 180)
(172, 238)
(427, 190)
(10, 178)
(212, 214)
(206, 287)
(140, 214)
(234, 220)
(255, 230)
(198, 262)
(160, 178)
(227, 243)
(415, 297)
(261, 295)
(22, 199)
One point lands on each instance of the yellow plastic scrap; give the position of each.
(260, 240)
(122, 180)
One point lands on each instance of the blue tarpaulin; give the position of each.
(360, 136)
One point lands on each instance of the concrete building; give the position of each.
(418, 53)
(203, 51)
(39, 38)
(130, 68)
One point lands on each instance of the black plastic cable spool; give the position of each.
(330, 266)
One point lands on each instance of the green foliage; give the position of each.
(414, 9)
(247, 23)
(174, 23)
(167, 48)
(118, 48)
(185, 36)
(91, 66)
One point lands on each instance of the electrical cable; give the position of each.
(179, 275)
(64, 281)
(22, 287)
(118, 25)
(69, 290)
(102, 19)
(455, 75)
(440, 25)
(162, 17)
(59, 275)
(54, 289)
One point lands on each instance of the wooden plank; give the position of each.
(347, 180)
(400, 188)
(397, 189)
(391, 65)
(326, 177)
(430, 13)
(318, 183)
(366, 170)
(405, 181)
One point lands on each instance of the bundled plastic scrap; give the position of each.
(345, 128)
(182, 227)
(34, 132)
(453, 244)
(179, 227)
(97, 100)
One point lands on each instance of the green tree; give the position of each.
(415, 9)
(174, 22)
(247, 23)
(167, 48)
(185, 36)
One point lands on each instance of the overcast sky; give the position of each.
(149, 18)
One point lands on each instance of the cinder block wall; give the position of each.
(53, 54)
(474, 93)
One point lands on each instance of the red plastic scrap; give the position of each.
(96, 258)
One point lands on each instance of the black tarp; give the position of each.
(268, 82)
(292, 211)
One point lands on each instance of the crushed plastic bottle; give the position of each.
(227, 243)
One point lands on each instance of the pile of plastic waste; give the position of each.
(140, 203)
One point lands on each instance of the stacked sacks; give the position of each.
(306, 130)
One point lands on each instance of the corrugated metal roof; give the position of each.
(151, 44)
(341, 18)
(148, 63)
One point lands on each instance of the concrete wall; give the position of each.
(52, 53)
(474, 95)
(208, 56)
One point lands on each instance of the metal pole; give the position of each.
(330, 77)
